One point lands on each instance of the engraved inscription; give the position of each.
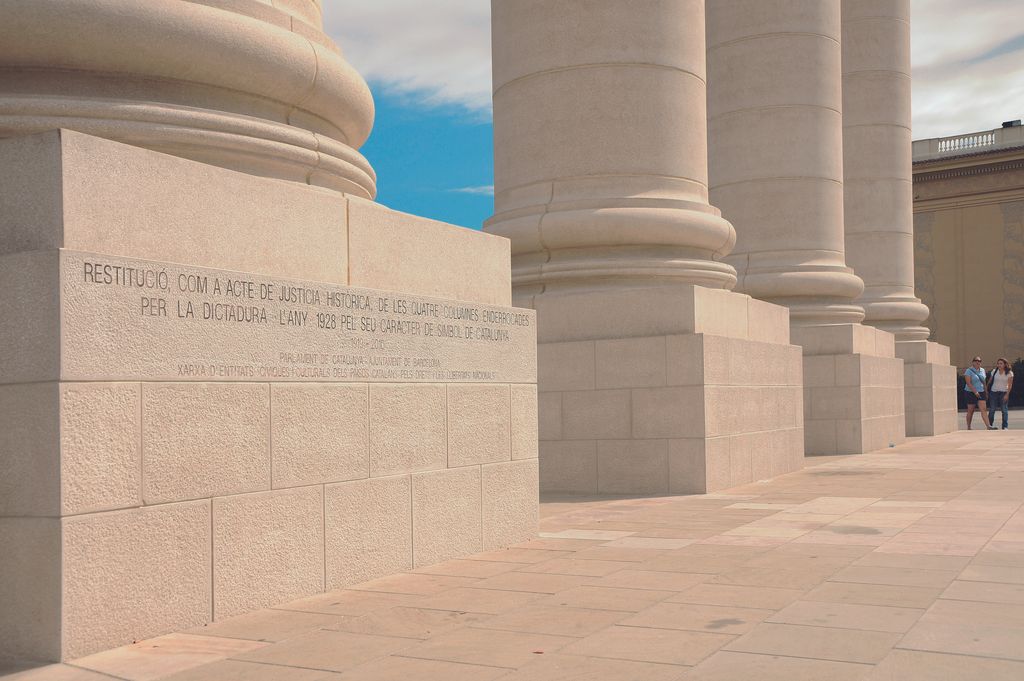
(132, 319)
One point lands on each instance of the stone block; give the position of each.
(525, 430)
(687, 467)
(820, 371)
(674, 412)
(615, 314)
(268, 548)
(100, 446)
(400, 252)
(767, 322)
(566, 366)
(144, 571)
(568, 466)
(820, 437)
(718, 463)
(30, 450)
(596, 414)
(834, 403)
(510, 503)
(95, 195)
(446, 514)
(204, 439)
(718, 312)
(549, 415)
(30, 350)
(631, 362)
(30, 589)
(633, 467)
(741, 457)
(686, 363)
(479, 424)
(408, 430)
(367, 529)
(319, 433)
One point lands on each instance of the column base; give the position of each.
(665, 390)
(853, 389)
(930, 388)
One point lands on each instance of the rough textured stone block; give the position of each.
(407, 428)
(204, 439)
(596, 414)
(30, 450)
(368, 529)
(632, 467)
(568, 466)
(525, 430)
(146, 571)
(631, 363)
(268, 548)
(319, 433)
(100, 443)
(510, 503)
(446, 520)
(479, 424)
(400, 252)
(30, 589)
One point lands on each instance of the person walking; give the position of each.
(1000, 383)
(974, 384)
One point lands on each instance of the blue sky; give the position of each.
(428, 64)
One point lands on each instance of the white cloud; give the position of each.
(437, 52)
(484, 190)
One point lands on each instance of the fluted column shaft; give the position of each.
(776, 167)
(877, 163)
(244, 84)
(601, 146)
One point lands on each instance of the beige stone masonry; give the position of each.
(930, 384)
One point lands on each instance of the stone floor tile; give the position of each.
(531, 582)
(965, 639)
(554, 620)
(848, 616)
(629, 555)
(650, 543)
(793, 578)
(397, 668)
(730, 666)
(912, 665)
(820, 643)
(165, 655)
(489, 647)
(989, 592)
(608, 598)
(49, 672)
(1007, 615)
(414, 584)
(914, 562)
(468, 568)
(334, 651)
(666, 646)
(237, 670)
(648, 579)
(347, 602)
(565, 667)
(894, 576)
(1007, 558)
(723, 619)
(549, 544)
(874, 594)
(267, 625)
(603, 535)
(1002, 574)
(484, 601)
(518, 555)
(406, 622)
(573, 566)
(767, 598)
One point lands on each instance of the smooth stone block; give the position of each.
(479, 424)
(597, 414)
(566, 366)
(510, 502)
(319, 433)
(30, 589)
(408, 430)
(368, 530)
(145, 571)
(204, 440)
(268, 548)
(632, 466)
(30, 449)
(446, 514)
(30, 351)
(568, 466)
(631, 362)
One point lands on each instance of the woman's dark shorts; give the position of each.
(974, 399)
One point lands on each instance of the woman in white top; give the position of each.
(1000, 384)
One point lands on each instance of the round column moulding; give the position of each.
(242, 84)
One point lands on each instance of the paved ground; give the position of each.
(903, 565)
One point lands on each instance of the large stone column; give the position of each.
(247, 84)
(653, 376)
(878, 188)
(776, 169)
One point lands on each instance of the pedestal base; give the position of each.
(930, 388)
(853, 389)
(666, 390)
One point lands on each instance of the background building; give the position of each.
(969, 241)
